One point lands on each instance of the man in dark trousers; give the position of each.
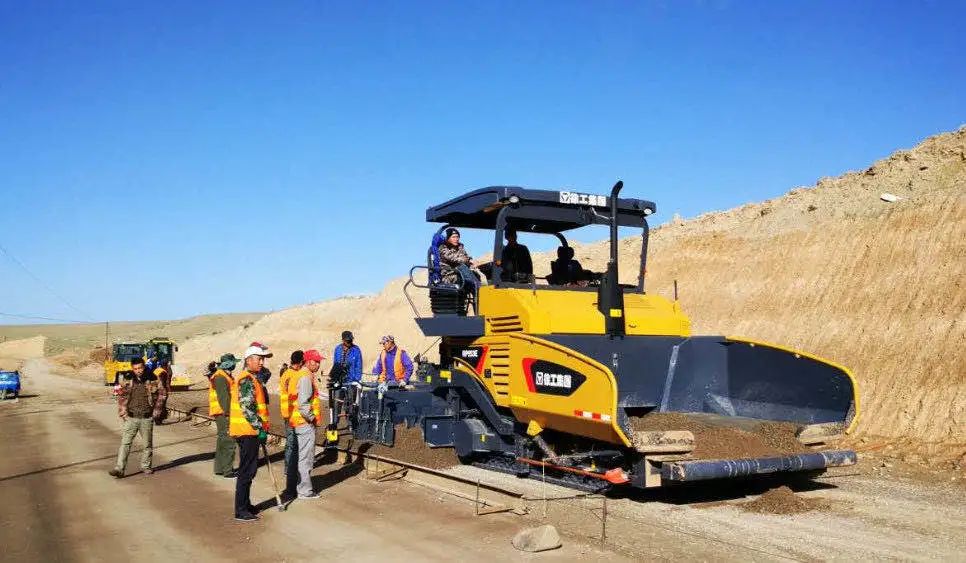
(248, 425)
(219, 405)
(139, 403)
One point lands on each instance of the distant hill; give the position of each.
(61, 337)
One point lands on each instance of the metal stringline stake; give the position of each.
(543, 469)
(603, 523)
(477, 505)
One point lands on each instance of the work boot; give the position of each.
(307, 497)
(116, 473)
(246, 517)
(148, 471)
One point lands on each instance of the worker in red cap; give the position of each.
(306, 409)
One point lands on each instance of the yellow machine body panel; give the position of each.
(112, 368)
(543, 382)
(563, 311)
(798, 354)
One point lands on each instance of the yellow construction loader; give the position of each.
(157, 353)
(118, 364)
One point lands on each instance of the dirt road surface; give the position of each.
(60, 440)
(59, 504)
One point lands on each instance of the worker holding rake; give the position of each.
(248, 424)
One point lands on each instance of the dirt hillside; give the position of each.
(15, 352)
(831, 269)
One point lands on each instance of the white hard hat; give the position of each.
(257, 351)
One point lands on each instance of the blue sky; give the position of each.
(169, 159)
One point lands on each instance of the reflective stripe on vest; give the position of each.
(283, 403)
(237, 423)
(286, 403)
(214, 407)
(398, 371)
(296, 418)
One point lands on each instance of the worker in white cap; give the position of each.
(248, 424)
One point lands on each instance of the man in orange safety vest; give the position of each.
(219, 404)
(248, 425)
(305, 417)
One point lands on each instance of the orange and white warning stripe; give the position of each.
(592, 415)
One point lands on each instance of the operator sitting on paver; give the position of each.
(248, 424)
(219, 405)
(454, 259)
(517, 266)
(139, 402)
(394, 366)
(567, 271)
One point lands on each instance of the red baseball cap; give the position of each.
(313, 355)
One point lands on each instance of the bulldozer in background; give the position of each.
(157, 350)
(546, 377)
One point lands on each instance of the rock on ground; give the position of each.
(533, 540)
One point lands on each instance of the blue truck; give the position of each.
(9, 384)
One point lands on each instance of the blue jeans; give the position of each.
(291, 460)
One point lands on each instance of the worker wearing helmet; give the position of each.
(305, 418)
(263, 374)
(394, 367)
(248, 425)
(219, 405)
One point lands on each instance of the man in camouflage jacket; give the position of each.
(452, 255)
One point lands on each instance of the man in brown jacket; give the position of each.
(139, 404)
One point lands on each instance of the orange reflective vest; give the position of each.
(398, 371)
(283, 403)
(296, 418)
(214, 407)
(237, 423)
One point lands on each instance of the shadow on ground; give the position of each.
(207, 456)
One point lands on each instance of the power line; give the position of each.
(42, 284)
(33, 317)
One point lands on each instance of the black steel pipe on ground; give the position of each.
(701, 470)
